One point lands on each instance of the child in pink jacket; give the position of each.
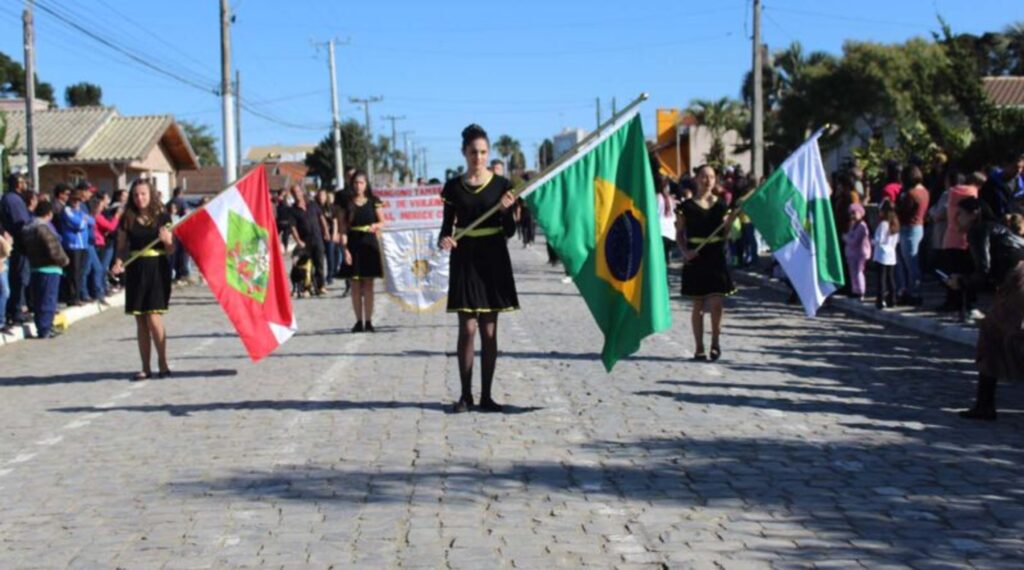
(858, 249)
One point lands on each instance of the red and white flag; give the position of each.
(234, 241)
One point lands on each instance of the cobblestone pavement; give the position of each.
(826, 443)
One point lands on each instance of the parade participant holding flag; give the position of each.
(144, 235)
(481, 283)
(706, 278)
(361, 248)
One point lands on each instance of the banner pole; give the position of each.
(569, 156)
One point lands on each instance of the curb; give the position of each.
(71, 316)
(948, 332)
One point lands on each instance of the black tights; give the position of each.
(468, 325)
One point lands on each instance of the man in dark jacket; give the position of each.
(14, 215)
(998, 253)
(47, 257)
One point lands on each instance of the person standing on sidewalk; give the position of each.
(74, 236)
(14, 216)
(857, 240)
(47, 258)
(1000, 352)
(955, 256)
(360, 246)
(481, 283)
(885, 242)
(309, 230)
(706, 278)
(913, 205)
(148, 278)
(6, 244)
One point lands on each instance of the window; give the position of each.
(76, 175)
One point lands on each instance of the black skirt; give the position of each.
(366, 261)
(480, 276)
(708, 273)
(147, 286)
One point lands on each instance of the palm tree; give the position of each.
(509, 148)
(718, 117)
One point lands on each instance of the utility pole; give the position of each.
(423, 163)
(339, 166)
(365, 102)
(408, 157)
(613, 107)
(415, 161)
(227, 106)
(598, 113)
(394, 133)
(30, 95)
(757, 152)
(238, 119)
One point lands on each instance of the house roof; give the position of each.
(209, 180)
(1005, 91)
(58, 131)
(100, 134)
(276, 151)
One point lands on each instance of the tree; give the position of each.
(203, 142)
(718, 117)
(355, 148)
(83, 94)
(508, 148)
(12, 81)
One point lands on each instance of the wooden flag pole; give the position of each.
(569, 156)
(171, 227)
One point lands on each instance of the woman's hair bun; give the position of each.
(471, 133)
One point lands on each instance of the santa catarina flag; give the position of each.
(600, 213)
(234, 241)
(793, 213)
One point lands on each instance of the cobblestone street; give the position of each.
(814, 443)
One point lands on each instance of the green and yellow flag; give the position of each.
(600, 213)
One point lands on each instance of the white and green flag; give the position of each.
(792, 212)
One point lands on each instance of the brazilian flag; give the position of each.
(600, 213)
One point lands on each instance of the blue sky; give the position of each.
(526, 68)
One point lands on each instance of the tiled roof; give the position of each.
(207, 180)
(1005, 91)
(125, 138)
(58, 131)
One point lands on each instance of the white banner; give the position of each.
(415, 269)
(414, 207)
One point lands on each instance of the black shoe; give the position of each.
(369, 327)
(358, 328)
(975, 413)
(462, 406)
(700, 357)
(164, 373)
(715, 353)
(490, 406)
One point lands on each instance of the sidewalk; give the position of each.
(924, 319)
(71, 315)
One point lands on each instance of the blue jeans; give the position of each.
(909, 274)
(332, 260)
(94, 282)
(45, 289)
(5, 290)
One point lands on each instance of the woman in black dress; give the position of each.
(706, 278)
(360, 244)
(148, 278)
(481, 284)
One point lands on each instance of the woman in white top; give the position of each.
(667, 214)
(886, 240)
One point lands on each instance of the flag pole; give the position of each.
(171, 227)
(742, 201)
(568, 156)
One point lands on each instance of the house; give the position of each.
(682, 144)
(1005, 91)
(279, 153)
(101, 146)
(209, 180)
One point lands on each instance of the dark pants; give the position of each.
(45, 289)
(958, 262)
(319, 255)
(333, 254)
(74, 273)
(886, 285)
(180, 261)
(18, 276)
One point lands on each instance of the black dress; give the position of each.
(363, 244)
(708, 273)
(480, 273)
(147, 281)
